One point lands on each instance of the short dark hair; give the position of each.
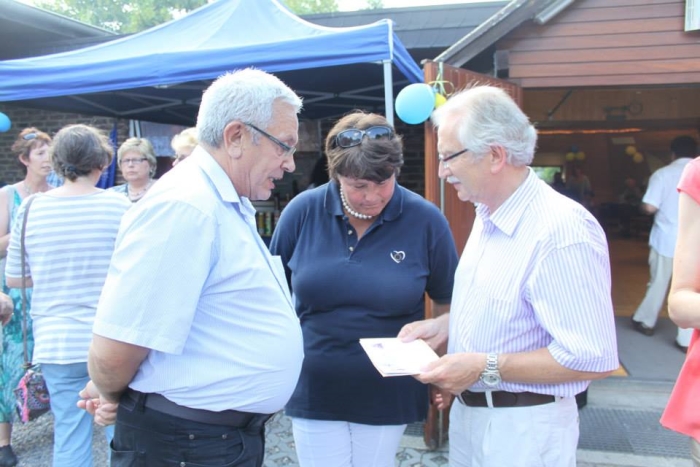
(684, 146)
(373, 159)
(77, 150)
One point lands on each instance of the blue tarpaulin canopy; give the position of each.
(159, 74)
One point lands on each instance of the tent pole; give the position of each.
(388, 92)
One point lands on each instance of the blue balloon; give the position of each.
(5, 123)
(415, 103)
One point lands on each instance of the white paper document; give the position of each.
(392, 357)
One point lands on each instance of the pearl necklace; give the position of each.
(356, 214)
(138, 195)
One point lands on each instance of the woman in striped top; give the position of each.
(69, 239)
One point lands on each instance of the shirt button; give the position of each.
(349, 232)
(191, 436)
(352, 249)
(183, 464)
(224, 436)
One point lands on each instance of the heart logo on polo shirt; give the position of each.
(397, 256)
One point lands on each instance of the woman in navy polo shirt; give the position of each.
(360, 252)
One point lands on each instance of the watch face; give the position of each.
(490, 379)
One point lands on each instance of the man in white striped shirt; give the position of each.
(531, 320)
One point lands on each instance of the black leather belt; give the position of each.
(232, 418)
(505, 399)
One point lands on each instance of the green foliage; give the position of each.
(130, 16)
(121, 16)
(307, 7)
(375, 4)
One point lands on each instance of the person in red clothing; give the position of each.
(681, 413)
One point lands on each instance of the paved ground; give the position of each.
(619, 428)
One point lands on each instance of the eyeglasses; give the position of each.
(135, 161)
(444, 159)
(287, 150)
(353, 137)
(30, 136)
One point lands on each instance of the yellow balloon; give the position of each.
(570, 156)
(439, 100)
(580, 155)
(630, 150)
(638, 157)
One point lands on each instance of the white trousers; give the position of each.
(538, 436)
(660, 269)
(324, 443)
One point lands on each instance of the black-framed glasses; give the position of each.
(135, 161)
(353, 136)
(444, 159)
(287, 150)
(30, 136)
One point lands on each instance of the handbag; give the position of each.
(31, 395)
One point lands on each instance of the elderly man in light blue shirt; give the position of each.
(196, 337)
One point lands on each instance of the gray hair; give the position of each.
(489, 117)
(246, 95)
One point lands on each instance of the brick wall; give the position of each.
(49, 122)
(412, 175)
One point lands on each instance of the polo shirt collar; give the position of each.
(508, 215)
(334, 205)
(222, 183)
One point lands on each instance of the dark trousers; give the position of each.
(144, 437)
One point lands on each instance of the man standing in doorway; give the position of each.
(531, 320)
(661, 201)
(196, 337)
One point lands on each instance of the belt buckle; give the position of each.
(257, 422)
(460, 399)
(507, 403)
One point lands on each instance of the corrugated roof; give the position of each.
(27, 30)
(431, 27)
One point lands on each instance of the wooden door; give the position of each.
(459, 214)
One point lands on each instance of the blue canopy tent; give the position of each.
(159, 74)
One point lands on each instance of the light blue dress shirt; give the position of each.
(192, 281)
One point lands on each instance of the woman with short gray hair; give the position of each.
(137, 161)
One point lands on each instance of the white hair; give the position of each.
(488, 116)
(246, 95)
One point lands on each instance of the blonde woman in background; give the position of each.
(183, 144)
(32, 149)
(137, 161)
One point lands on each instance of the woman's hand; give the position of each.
(440, 398)
(6, 308)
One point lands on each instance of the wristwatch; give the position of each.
(490, 376)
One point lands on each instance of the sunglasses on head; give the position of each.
(30, 136)
(353, 137)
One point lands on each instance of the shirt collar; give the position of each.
(508, 215)
(221, 182)
(334, 205)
